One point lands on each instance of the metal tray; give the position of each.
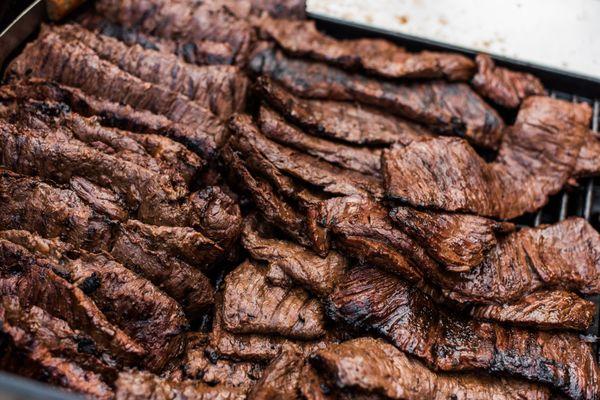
(582, 200)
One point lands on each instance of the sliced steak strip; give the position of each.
(588, 162)
(328, 177)
(377, 301)
(25, 353)
(183, 21)
(544, 309)
(364, 160)
(129, 301)
(280, 379)
(372, 366)
(103, 79)
(220, 88)
(139, 385)
(536, 159)
(272, 206)
(59, 338)
(112, 114)
(199, 52)
(316, 274)
(339, 120)
(34, 283)
(451, 108)
(376, 56)
(458, 241)
(252, 305)
(503, 86)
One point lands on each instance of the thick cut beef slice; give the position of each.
(365, 160)
(503, 86)
(199, 52)
(25, 353)
(458, 241)
(340, 120)
(184, 21)
(374, 55)
(34, 283)
(317, 274)
(220, 88)
(374, 300)
(536, 159)
(372, 366)
(74, 64)
(544, 309)
(129, 301)
(111, 113)
(138, 385)
(328, 177)
(280, 378)
(451, 108)
(28, 203)
(252, 305)
(59, 338)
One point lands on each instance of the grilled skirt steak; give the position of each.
(451, 108)
(380, 57)
(376, 301)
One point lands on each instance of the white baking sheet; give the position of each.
(562, 34)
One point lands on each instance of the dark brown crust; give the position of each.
(451, 108)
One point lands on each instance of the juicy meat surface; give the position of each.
(220, 88)
(199, 52)
(252, 305)
(588, 162)
(376, 56)
(328, 177)
(458, 241)
(451, 108)
(374, 367)
(141, 385)
(376, 301)
(183, 21)
(74, 64)
(364, 160)
(280, 378)
(536, 159)
(340, 120)
(317, 274)
(556, 309)
(503, 86)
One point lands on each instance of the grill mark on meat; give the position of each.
(503, 86)
(199, 52)
(450, 108)
(374, 300)
(34, 283)
(544, 309)
(377, 56)
(343, 121)
(372, 366)
(58, 338)
(272, 207)
(364, 160)
(112, 114)
(183, 22)
(538, 154)
(457, 241)
(252, 305)
(328, 177)
(220, 88)
(141, 385)
(281, 377)
(73, 64)
(27, 354)
(316, 274)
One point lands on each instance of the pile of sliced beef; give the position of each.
(213, 199)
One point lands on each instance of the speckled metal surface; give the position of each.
(554, 33)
